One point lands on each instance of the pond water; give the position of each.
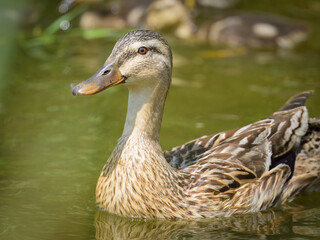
(53, 145)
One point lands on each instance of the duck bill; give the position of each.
(107, 76)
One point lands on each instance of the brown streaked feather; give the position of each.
(290, 126)
(187, 154)
(296, 101)
(214, 176)
(308, 160)
(300, 184)
(261, 194)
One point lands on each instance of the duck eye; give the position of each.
(142, 50)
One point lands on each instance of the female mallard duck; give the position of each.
(244, 170)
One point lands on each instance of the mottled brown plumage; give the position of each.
(243, 170)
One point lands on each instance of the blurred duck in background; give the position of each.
(101, 19)
(122, 15)
(169, 16)
(218, 4)
(237, 29)
(254, 30)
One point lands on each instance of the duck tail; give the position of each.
(296, 101)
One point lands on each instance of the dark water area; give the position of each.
(53, 145)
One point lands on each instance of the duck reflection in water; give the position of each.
(281, 222)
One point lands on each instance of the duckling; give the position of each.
(254, 30)
(234, 172)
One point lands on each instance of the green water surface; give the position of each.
(53, 145)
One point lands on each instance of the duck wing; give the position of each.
(263, 145)
(283, 129)
(189, 153)
(251, 168)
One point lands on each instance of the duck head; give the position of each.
(139, 58)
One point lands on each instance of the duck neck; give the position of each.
(145, 110)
